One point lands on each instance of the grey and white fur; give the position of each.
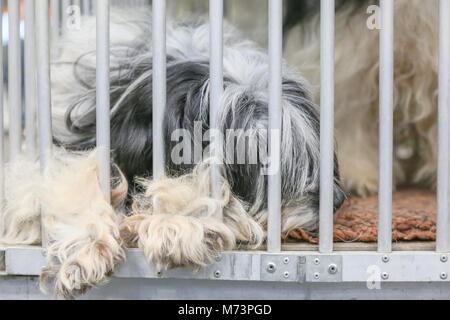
(244, 106)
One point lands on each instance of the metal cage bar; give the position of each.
(56, 18)
(386, 126)
(103, 99)
(2, 138)
(30, 79)
(77, 3)
(44, 89)
(216, 86)
(86, 7)
(159, 85)
(275, 116)
(14, 79)
(443, 176)
(326, 125)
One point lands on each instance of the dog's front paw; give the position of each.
(362, 186)
(172, 241)
(359, 178)
(82, 268)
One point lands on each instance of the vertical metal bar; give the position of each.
(44, 93)
(14, 79)
(77, 3)
(103, 99)
(56, 19)
(326, 125)
(86, 7)
(275, 115)
(2, 138)
(30, 79)
(159, 85)
(216, 86)
(443, 212)
(386, 126)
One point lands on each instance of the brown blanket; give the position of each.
(413, 218)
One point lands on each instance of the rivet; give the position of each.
(385, 275)
(286, 260)
(219, 258)
(316, 276)
(332, 269)
(159, 273)
(286, 275)
(444, 258)
(217, 274)
(385, 258)
(271, 267)
(316, 261)
(443, 275)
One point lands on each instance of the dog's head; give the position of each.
(243, 134)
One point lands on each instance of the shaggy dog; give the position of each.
(173, 218)
(357, 86)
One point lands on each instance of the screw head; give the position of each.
(271, 267)
(286, 275)
(217, 274)
(316, 261)
(286, 260)
(385, 275)
(159, 274)
(385, 258)
(444, 275)
(332, 269)
(444, 258)
(316, 276)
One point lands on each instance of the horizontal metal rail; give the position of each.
(299, 267)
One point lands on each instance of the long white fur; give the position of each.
(82, 228)
(21, 217)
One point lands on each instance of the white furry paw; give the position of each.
(172, 241)
(84, 244)
(90, 266)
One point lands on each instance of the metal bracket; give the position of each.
(322, 268)
(281, 268)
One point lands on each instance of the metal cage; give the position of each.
(279, 265)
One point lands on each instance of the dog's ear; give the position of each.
(131, 109)
(131, 97)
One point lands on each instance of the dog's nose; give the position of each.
(339, 197)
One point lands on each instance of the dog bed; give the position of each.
(413, 218)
